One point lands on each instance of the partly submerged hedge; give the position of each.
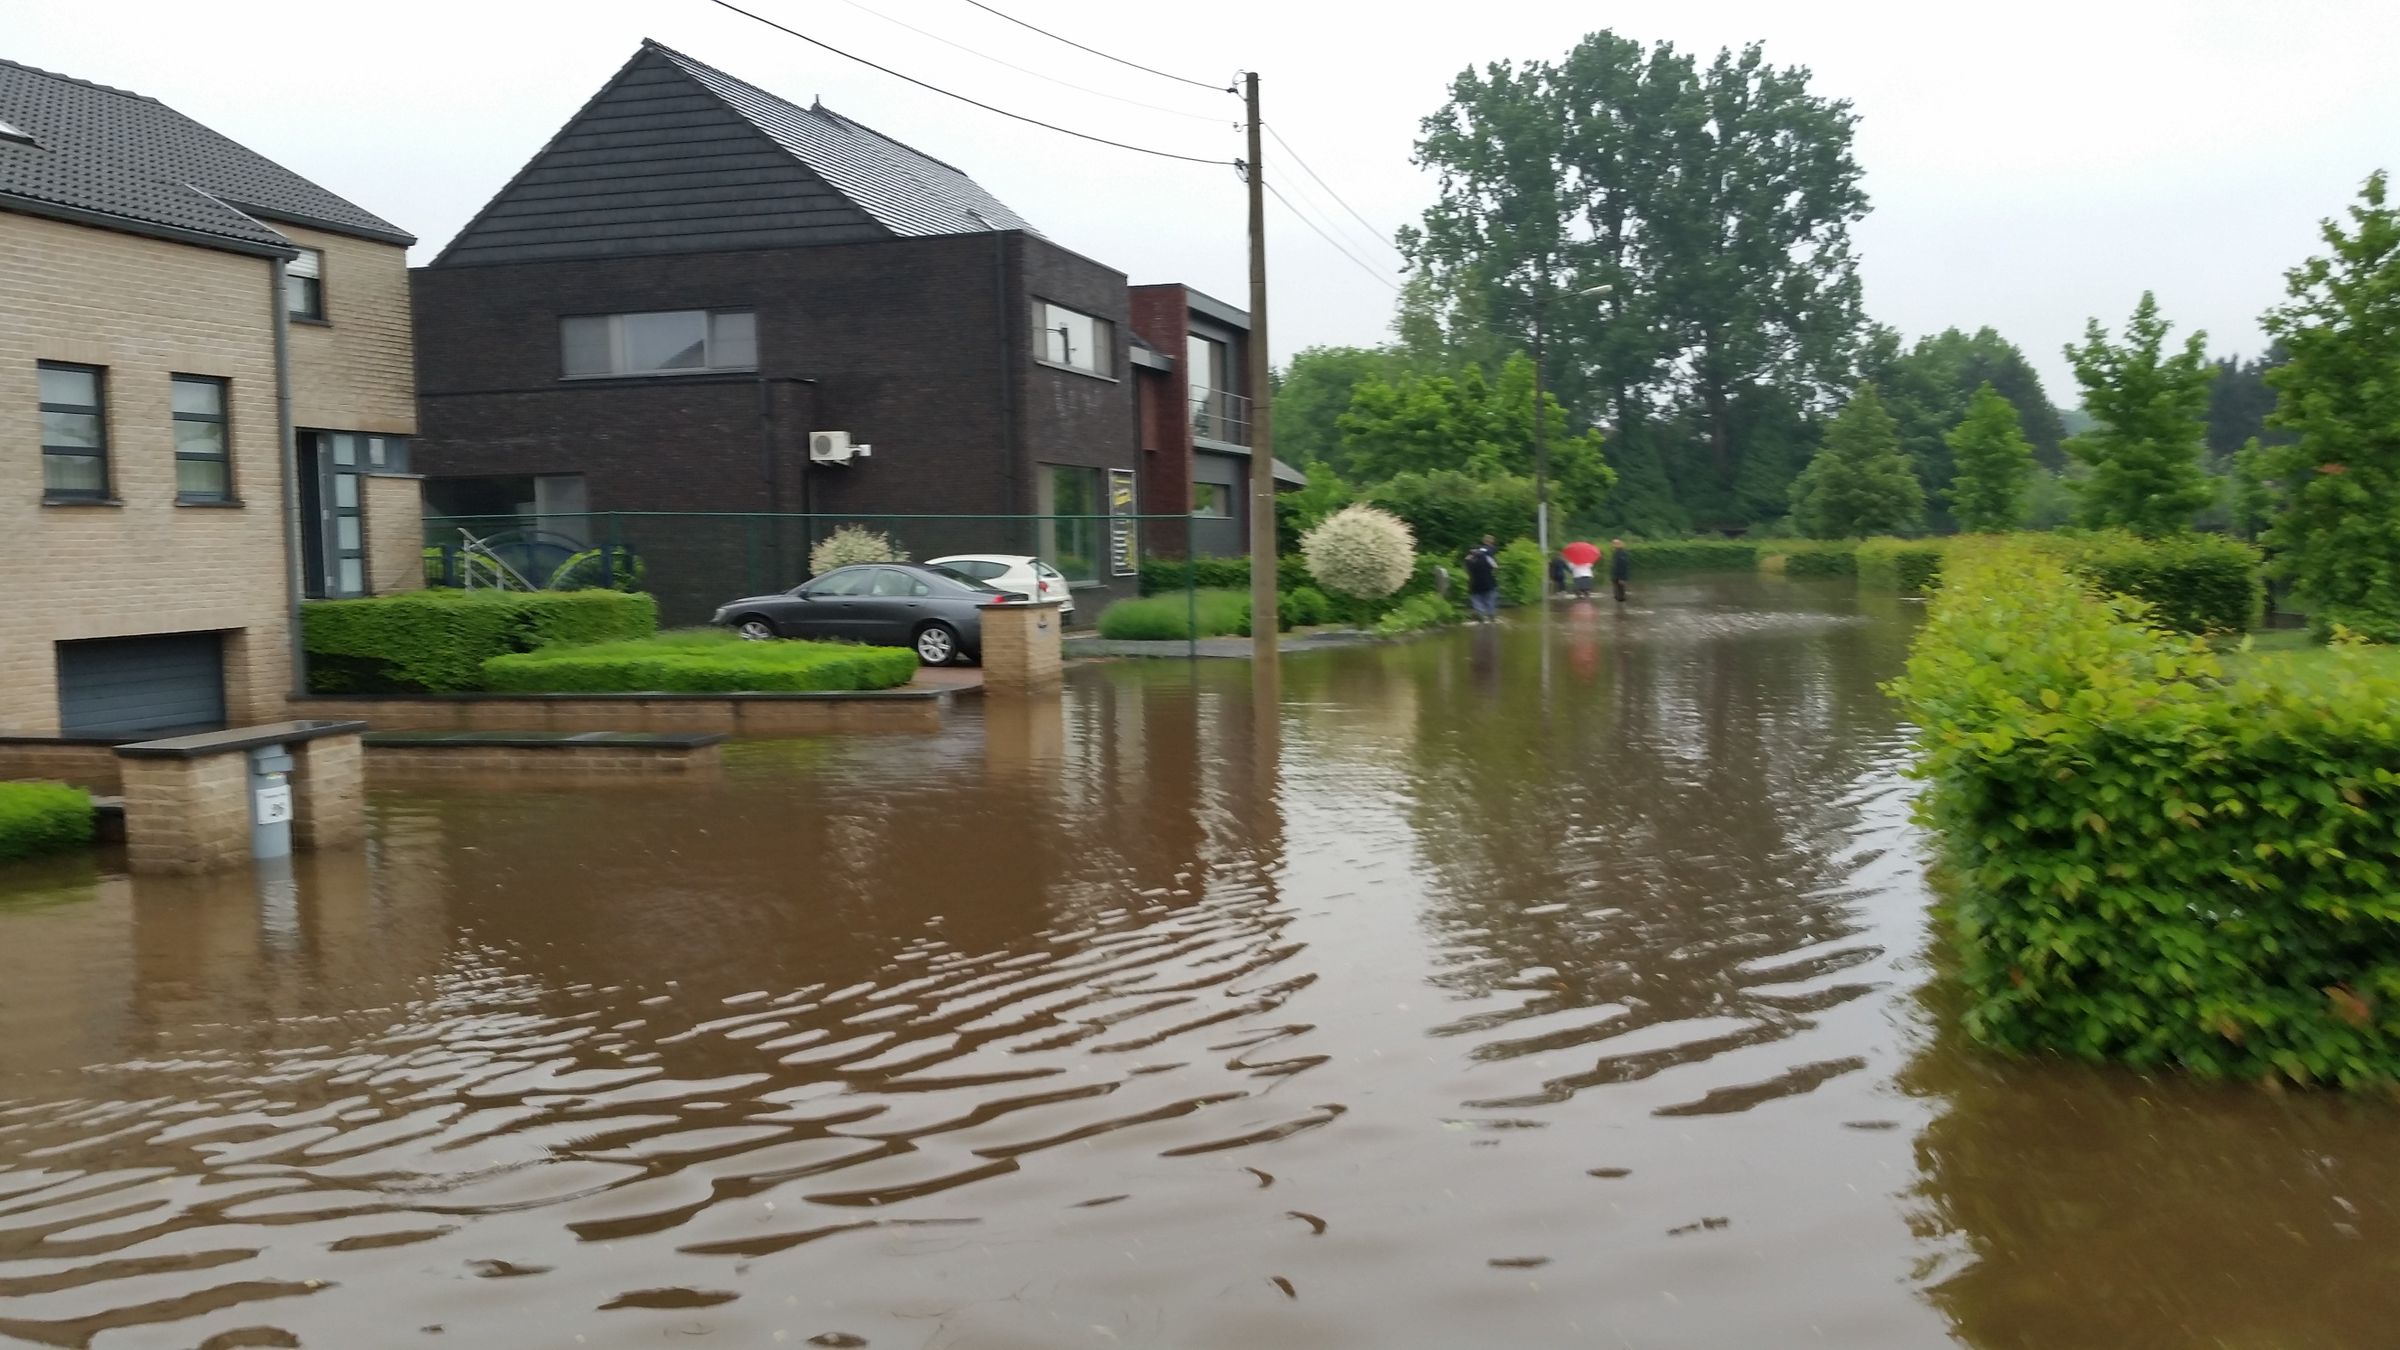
(701, 662)
(2195, 583)
(437, 641)
(41, 818)
(1417, 613)
(1523, 573)
(1810, 558)
(2150, 863)
(1690, 555)
(1905, 566)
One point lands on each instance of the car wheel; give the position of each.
(937, 644)
(755, 629)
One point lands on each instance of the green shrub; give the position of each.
(1416, 613)
(2195, 583)
(2146, 862)
(1522, 568)
(40, 818)
(1690, 555)
(1834, 558)
(436, 641)
(1163, 618)
(1160, 576)
(1305, 607)
(1906, 566)
(700, 662)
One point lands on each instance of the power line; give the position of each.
(1202, 84)
(1363, 266)
(1033, 121)
(1320, 182)
(1028, 70)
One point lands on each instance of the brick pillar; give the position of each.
(187, 815)
(329, 793)
(1020, 648)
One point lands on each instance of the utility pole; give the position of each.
(1265, 632)
(1541, 441)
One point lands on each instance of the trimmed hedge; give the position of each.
(1162, 618)
(700, 662)
(2196, 583)
(1417, 613)
(1690, 555)
(1304, 607)
(1523, 573)
(2149, 863)
(1907, 566)
(437, 641)
(1811, 559)
(42, 818)
(1222, 574)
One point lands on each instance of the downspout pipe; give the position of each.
(280, 316)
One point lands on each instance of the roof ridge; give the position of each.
(88, 84)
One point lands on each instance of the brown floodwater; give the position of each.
(1565, 984)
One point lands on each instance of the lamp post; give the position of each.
(1541, 439)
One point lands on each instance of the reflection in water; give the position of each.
(1542, 985)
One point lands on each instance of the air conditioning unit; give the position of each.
(836, 447)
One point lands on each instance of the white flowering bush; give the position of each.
(1361, 551)
(852, 544)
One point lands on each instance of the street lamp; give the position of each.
(1541, 441)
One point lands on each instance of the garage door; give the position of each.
(143, 686)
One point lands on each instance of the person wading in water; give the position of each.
(1483, 581)
(1620, 566)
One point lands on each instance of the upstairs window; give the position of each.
(203, 462)
(667, 342)
(74, 433)
(304, 285)
(1066, 337)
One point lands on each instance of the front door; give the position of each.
(333, 526)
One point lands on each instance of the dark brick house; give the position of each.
(694, 276)
(1192, 388)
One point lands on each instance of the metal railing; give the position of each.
(1220, 416)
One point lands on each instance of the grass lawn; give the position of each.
(2288, 655)
(700, 661)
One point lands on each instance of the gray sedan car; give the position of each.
(932, 609)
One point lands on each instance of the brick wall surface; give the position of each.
(329, 793)
(673, 713)
(356, 371)
(187, 815)
(1021, 649)
(91, 767)
(143, 309)
(395, 533)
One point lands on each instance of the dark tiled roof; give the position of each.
(909, 192)
(97, 151)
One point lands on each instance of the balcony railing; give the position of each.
(1219, 416)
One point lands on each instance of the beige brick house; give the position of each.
(206, 390)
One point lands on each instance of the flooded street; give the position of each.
(1557, 985)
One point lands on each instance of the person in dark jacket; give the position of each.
(1483, 581)
(1620, 566)
(1558, 574)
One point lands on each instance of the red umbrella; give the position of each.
(1581, 554)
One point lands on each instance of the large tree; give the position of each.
(2338, 528)
(2239, 400)
(2148, 406)
(1314, 391)
(1928, 388)
(1995, 466)
(1714, 204)
(1421, 424)
(1860, 483)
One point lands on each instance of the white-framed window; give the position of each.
(1071, 338)
(304, 285)
(662, 342)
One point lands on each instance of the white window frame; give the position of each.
(618, 369)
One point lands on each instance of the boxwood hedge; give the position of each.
(700, 663)
(40, 818)
(2148, 862)
(1906, 566)
(437, 641)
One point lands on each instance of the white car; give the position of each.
(1028, 577)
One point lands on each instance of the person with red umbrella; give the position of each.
(1580, 556)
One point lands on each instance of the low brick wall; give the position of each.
(559, 762)
(88, 764)
(728, 714)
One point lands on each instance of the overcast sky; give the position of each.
(2030, 165)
